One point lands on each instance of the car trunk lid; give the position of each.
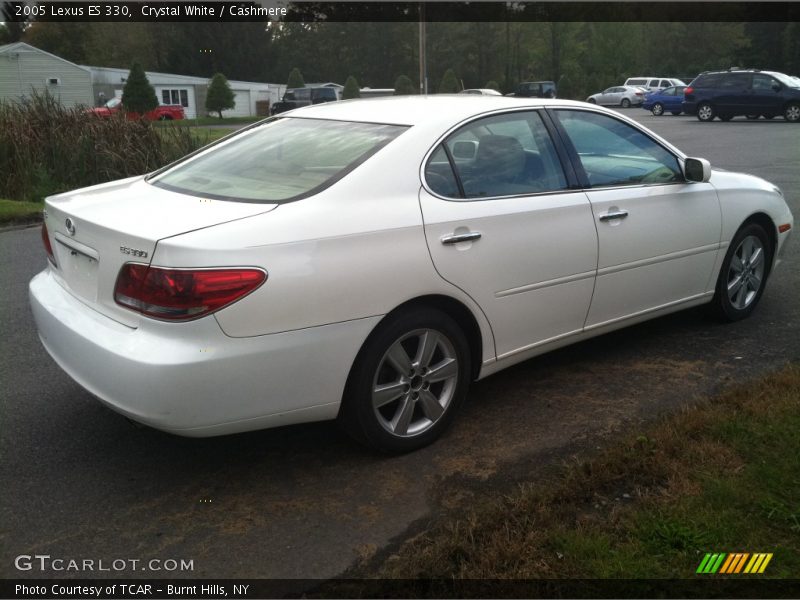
(94, 231)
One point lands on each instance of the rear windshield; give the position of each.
(280, 160)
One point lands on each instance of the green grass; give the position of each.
(13, 211)
(209, 121)
(723, 476)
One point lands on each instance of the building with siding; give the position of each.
(190, 92)
(25, 69)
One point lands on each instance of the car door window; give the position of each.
(735, 81)
(668, 92)
(666, 83)
(502, 155)
(613, 153)
(764, 83)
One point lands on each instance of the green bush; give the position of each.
(351, 89)
(450, 83)
(46, 148)
(403, 86)
(295, 79)
(220, 95)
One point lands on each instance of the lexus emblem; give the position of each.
(70, 226)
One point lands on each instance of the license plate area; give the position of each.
(78, 265)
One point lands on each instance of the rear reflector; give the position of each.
(47, 246)
(182, 294)
(784, 228)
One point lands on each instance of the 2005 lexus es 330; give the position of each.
(366, 260)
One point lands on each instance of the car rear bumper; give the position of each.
(190, 378)
(689, 108)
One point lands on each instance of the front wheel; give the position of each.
(743, 275)
(407, 382)
(626, 103)
(657, 109)
(706, 112)
(792, 113)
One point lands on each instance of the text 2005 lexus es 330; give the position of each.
(367, 260)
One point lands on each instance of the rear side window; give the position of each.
(665, 83)
(280, 160)
(708, 80)
(636, 82)
(503, 155)
(613, 153)
(735, 81)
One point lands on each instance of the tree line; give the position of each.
(581, 57)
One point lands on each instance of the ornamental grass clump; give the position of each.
(46, 148)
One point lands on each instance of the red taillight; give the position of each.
(47, 246)
(182, 294)
(688, 90)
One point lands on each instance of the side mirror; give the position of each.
(697, 170)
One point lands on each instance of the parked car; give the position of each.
(305, 96)
(653, 84)
(481, 91)
(535, 89)
(620, 95)
(751, 93)
(666, 100)
(367, 260)
(164, 112)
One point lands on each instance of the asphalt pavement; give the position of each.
(81, 482)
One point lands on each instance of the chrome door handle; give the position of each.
(617, 214)
(461, 237)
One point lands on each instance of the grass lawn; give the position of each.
(12, 211)
(723, 476)
(208, 121)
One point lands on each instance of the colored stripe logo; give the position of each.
(733, 563)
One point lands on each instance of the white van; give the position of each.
(653, 83)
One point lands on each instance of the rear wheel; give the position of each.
(743, 275)
(725, 118)
(792, 113)
(676, 112)
(752, 117)
(706, 112)
(592, 101)
(626, 103)
(657, 109)
(407, 382)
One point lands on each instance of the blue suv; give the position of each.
(751, 93)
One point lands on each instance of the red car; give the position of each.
(160, 113)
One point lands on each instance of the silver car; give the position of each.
(619, 95)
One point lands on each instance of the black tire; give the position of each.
(769, 117)
(657, 109)
(676, 112)
(592, 101)
(625, 103)
(752, 117)
(725, 118)
(706, 112)
(792, 112)
(374, 371)
(740, 306)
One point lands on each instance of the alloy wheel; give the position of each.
(792, 113)
(657, 109)
(746, 272)
(705, 112)
(415, 382)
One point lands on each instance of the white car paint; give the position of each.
(546, 272)
(616, 96)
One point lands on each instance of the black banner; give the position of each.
(712, 586)
(228, 11)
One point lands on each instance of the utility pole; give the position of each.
(423, 59)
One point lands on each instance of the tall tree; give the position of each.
(138, 95)
(220, 95)
(351, 89)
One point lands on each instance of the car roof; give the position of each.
(417, 110)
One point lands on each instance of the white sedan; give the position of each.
(620, 95)
(367, 260)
